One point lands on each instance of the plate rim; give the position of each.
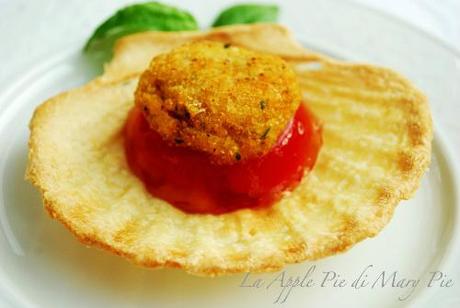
(387, 15)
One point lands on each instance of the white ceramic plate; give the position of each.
(42, 265)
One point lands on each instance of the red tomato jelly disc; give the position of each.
(188, 180)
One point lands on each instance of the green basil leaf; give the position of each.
(137, 18)
(247, 14)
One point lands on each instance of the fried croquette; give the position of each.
(224, 100)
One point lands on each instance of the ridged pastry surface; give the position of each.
(377, 142)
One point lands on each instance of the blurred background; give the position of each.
(440, 18)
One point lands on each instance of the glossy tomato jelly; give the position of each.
(187, 179)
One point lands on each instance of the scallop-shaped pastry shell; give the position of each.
(377, 144)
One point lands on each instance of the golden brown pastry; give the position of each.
(376, 147)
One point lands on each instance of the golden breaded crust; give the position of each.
(227, 101)
(377, 144)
